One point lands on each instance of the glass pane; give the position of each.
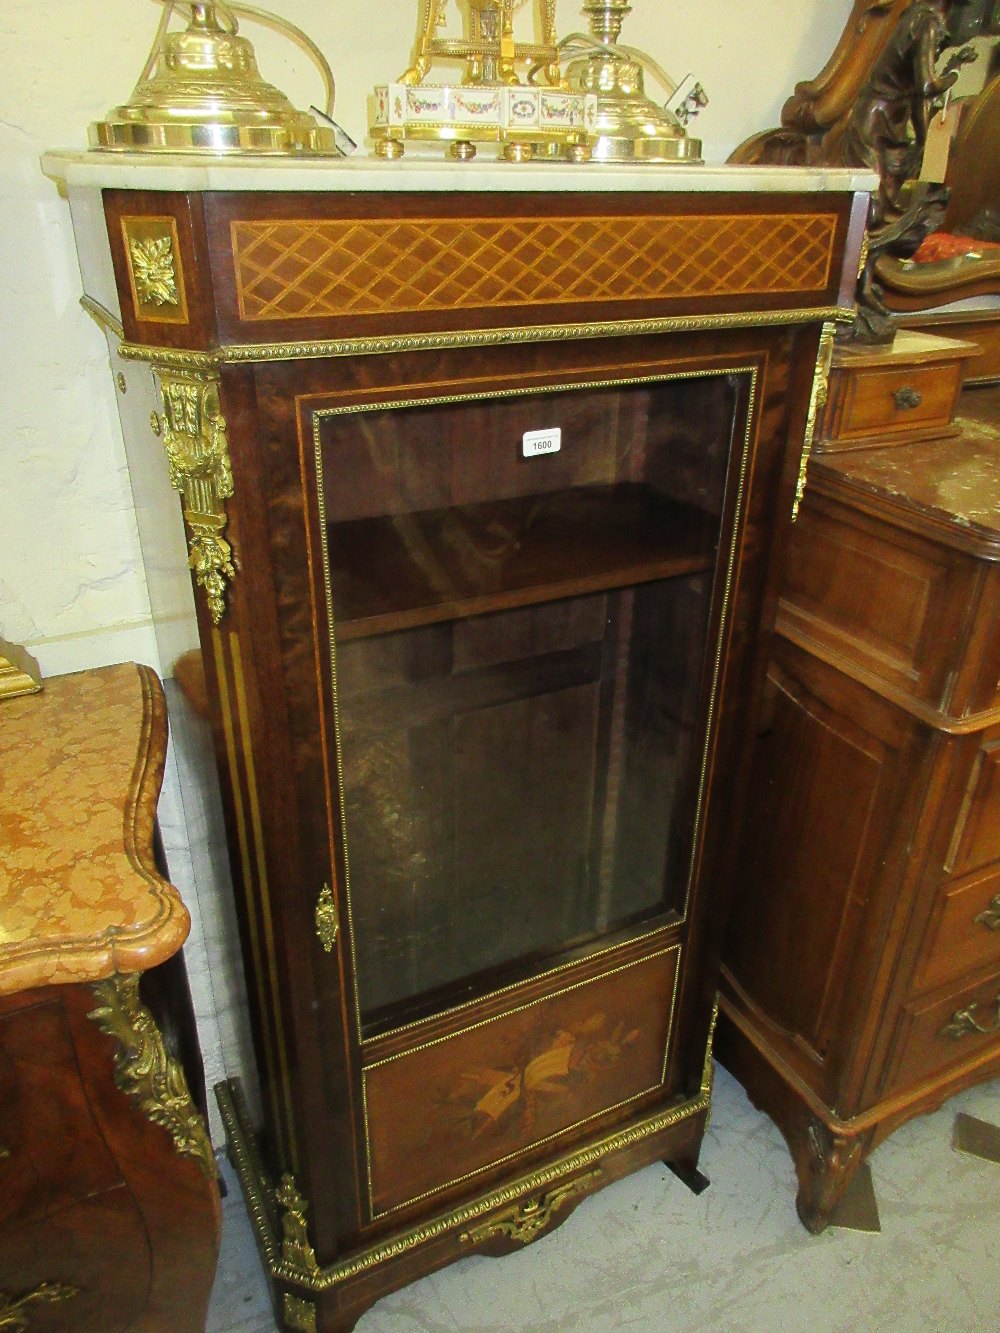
(520, 650)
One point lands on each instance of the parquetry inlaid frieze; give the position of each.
(305, 269)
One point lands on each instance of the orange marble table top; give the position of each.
(80, 771)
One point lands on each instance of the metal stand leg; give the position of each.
(977, 1137)
(858, 1208)
(694, 1179)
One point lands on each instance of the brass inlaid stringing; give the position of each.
(233, 712)
(307, 269)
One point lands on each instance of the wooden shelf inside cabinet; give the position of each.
(398, 571)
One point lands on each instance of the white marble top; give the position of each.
(175, 171)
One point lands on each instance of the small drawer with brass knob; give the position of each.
(905, 391)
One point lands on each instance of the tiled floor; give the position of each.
(645, 1254)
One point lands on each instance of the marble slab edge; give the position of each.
(174, 171)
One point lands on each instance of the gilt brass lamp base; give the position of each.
(629, 127)
(125, 132)
(206, 95)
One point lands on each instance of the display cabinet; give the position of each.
(484, 476)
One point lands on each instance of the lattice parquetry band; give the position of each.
(307, 269)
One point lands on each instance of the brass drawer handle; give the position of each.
(990, 916)
(963, 1023)
(907, 398)
(14, 1309)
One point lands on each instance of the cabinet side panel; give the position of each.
(828, 804)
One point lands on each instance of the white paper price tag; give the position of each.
(536, 442)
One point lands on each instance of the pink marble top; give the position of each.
(80, 771)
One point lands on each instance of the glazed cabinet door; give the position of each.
(519, 596)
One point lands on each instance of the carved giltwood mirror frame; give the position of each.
(813, 128)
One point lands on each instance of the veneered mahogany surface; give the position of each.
(94, 1197)
(268, 268)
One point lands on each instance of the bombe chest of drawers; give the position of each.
(483, 476)
(109, 1205)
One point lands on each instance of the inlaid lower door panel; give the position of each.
(490, 1092)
